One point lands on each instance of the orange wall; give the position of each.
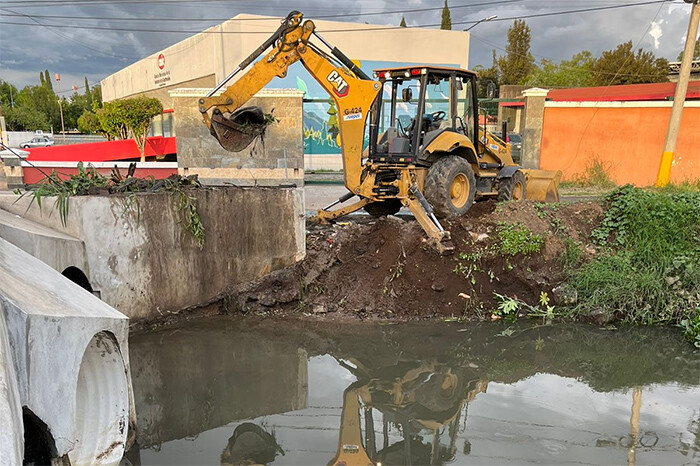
(628, 140)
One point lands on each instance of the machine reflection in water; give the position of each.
(424, 401)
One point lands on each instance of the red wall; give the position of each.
(103, 151)
(628, 140)
(33, 175)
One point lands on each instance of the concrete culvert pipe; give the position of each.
(102, 404)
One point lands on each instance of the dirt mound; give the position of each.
(384, 268)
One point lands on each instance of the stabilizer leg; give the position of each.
(325, 216)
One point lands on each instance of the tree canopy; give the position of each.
(36, 107)
(403, 22)
(517, 64)
(623, 66)
(568, 73)
(130, 118)
(488, 75)
(696, 54)
(446, 19)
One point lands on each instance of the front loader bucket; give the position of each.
(238, 130)
(542, 185)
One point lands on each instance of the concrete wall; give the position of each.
(627, 137)
(150, 266)
(70, 355)
(262, 163)
(219, 49)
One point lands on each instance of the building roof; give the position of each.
(655, 91)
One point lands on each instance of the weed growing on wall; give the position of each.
(90, 181)
(650, 270)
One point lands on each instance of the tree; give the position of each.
(88, 95)
(40, 99)
(96, 96)
(8, 94)
(130, 118)
(518, 62)
(487, 75)
(696, 54)
(403, 22)
(623, 66)
(569, 73)
(47, 80)
(88, 122)
(446, 19)
(25, 119)
(41, 79)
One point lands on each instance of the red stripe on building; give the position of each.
(106, 151)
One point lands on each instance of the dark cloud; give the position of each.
(77, 52)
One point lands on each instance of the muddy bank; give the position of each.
(383, 268)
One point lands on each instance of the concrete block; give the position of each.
(11, 427)
(70, 352)
(56, 249)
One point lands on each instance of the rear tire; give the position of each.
(450, 186)
(513, 188)
(378, 209)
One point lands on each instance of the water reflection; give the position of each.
(246, 392)
(422, 400)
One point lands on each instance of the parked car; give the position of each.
(39, 141)
(516, 145)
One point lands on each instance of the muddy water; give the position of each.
(223, 391)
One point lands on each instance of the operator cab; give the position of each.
(416, 105)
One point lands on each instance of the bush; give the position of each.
(649, 272)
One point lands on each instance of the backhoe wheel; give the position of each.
(450, 186)
(377, 209)
(513, 188)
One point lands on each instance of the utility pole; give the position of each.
(60, 105)
(674, 123)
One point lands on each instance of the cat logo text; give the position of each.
(340, 86)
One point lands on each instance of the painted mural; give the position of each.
(321, 117)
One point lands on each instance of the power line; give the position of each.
(72, 39)
(413, 10)
(378, 28)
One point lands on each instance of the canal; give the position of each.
(250, 391)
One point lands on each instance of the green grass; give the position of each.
(649, 272)
(517, 239)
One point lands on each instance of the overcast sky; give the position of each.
(75, 52)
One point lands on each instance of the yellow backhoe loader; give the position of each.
(422, 153)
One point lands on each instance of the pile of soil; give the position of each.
(384, 268)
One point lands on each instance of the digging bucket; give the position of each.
(543, 185)
(237, 130)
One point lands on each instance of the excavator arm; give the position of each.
(352, 91)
